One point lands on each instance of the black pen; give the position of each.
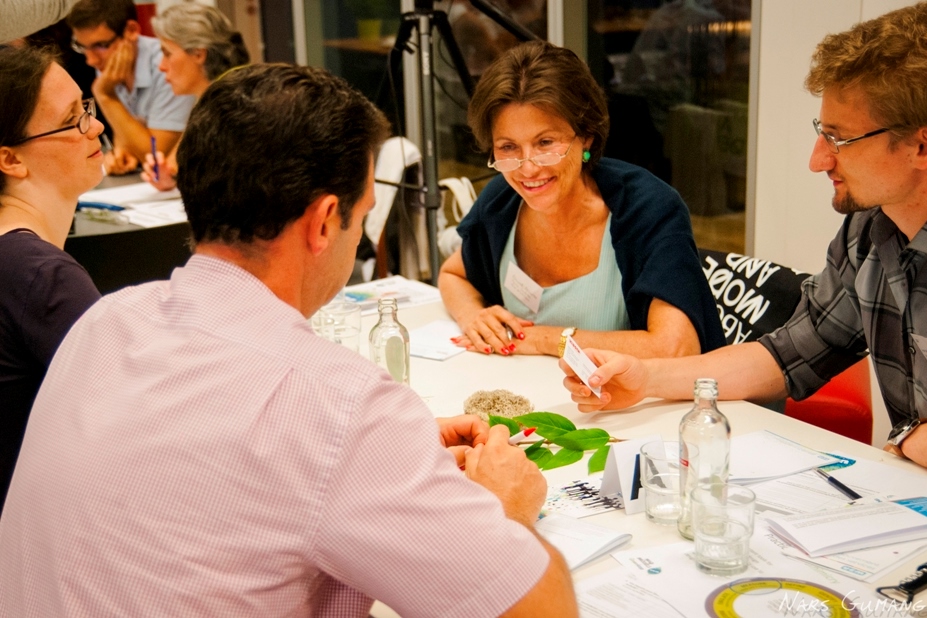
(636, 481)
(846, 491)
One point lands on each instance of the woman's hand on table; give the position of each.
(485, 331)
(622, 378)
(166, 177)
(507, 472)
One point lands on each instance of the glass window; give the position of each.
(481, 40)
(677, 74)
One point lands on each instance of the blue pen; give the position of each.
(154, 156)
(98, 206)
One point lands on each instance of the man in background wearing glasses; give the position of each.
(130, 90)
(872, 296)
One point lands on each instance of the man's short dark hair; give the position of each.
(91, 13)
(267, 140)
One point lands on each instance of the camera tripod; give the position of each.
(425, 20)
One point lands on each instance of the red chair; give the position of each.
(843, 405)
(145, 11)
(755, 297)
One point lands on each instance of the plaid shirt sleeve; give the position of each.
(825, 335)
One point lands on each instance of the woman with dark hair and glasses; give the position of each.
(566, 243)
(49, 155)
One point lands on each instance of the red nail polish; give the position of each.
(521, 335)
(512, 348)
(489, 350)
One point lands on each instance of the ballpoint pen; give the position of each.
(98, 206)
(154, 157)
(846, 491)
(636, 481)
(105, 145)
(521, 435)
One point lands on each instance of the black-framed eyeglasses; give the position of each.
(834, 144)
(544, 159)
(82, 125)
(102, 46)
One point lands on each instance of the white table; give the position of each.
(444, 385)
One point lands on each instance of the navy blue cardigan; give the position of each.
(651, 234)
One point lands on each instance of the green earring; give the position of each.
(586, 156)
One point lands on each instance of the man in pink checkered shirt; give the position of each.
(196, 450)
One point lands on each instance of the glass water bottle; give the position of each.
(389, 342)
(707, 429)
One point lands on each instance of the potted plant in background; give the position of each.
(371, 15)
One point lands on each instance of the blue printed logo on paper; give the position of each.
(918, 505)
(654, 570)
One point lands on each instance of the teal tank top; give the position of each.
(594, 301)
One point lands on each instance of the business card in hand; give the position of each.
(580, 363)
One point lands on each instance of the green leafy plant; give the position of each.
(559, 431)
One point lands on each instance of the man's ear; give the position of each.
(11, 164)
(132, 31)
(323, 223)
(920, 138)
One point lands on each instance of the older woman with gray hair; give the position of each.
(198, 45)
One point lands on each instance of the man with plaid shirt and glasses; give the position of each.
(872, 295)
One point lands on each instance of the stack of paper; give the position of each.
(406, 292)
(854, 526)
(579, 541)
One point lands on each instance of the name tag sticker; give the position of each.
(580, 363)
(523, 287)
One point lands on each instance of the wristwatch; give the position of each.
(898, 435)
(569, 331)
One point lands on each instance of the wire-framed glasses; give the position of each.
(544, 159)
(834, 144)
(82, 125)
(97, 48)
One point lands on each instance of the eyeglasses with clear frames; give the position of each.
(834, 144)
(543, 160)
(96, 48)
(82, 125)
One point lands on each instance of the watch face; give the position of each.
(568, 332)
(900, 433)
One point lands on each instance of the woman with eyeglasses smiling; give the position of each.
(566, 243)
(49, 155)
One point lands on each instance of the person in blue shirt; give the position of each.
(133, 94)
(565, 242)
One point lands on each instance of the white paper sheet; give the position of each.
(578, 540)
(128, 194)
(407, 292)
(763, 455)
(852, 527)
(669, 571)
(155, 214)
(434, 340)
(618, 477)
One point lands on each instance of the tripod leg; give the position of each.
(444, 28)
(429, 141)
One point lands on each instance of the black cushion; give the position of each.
(753, 296)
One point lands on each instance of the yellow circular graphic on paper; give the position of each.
(806, 598)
